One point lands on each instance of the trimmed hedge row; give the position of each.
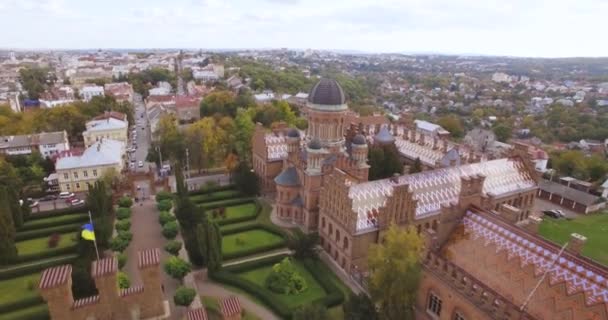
(211, 190)
(334, 295)
(38, 312)
(28, 268)
(196, 200)
(50, 224)
(50, 253)
(39, 233)
(23, 303)
(255, 250)
(226, 203)
(58, 212)
(223, 222)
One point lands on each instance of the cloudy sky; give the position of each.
(547, 28)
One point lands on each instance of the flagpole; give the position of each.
(94, 238)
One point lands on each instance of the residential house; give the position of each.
(108, 128)
(88, 92)
(121, 91)
(49, 144)
(188, 108)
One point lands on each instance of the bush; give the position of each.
(177, 268)
(173, 247)
(127, 235)
(54, 223)
(122, 260)
(119, 244)
(225, 203)
(165, 217)
(125, 202)
(123, 280)
(164, 205)
(170, 230)
(54, 240)
(163, 195)
(21, 304)
(284, 279)
(123, 225)
(39, 233)
(36, 266)
(123, 213)
(204, 190)
(184, 296)
(50, 253)
(58, 212)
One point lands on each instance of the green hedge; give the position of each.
(18, 270)
(228, 275)
(198, 199)
(58, 212)
(259, 249)
(223, 222)
(22, 303)
(123, 213)
(37, 312)
(51, 223)
(49, 253)
(270, 228)
(163, 195)
(211, 190)
(39, 233)
(226, 203)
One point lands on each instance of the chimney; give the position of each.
(435, 143)
(577, 242)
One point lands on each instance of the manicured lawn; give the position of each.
(60, 220)
(41, 244)
(238, 211)
(248, 240)
(225, 193)
(594, 227)
(314, 291)
(33, 312)
(16, 289)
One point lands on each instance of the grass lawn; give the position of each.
(38, 245)
(68, 218)
(225, 193)
(314, 291)
(32, 312)
(16, 289)
(238, 211)
(250, 239)
(594, 227)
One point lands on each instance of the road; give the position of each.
(142, 139)
(541, 205)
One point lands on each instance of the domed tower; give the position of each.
(359, 150)
(293, 144)
(314, 156)
(326, 115)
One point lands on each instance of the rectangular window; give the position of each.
(85, 173)
(459, 316)
(94, 173)
(65, 176)
(75, 175)
(77, 185)
(434, 306)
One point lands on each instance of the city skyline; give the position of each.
(519, 28)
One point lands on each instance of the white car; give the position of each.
(65, 195)
(76, 202)
(140, 164)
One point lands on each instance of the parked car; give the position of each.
(69, 200)
(48, 197)
(555, 214)
(140, 164)
(76, 202)
(33, 204)
(65, 195)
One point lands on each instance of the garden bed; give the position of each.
(234, 214)
(251, 241)
(19, 293)
(216, 196)
(39, 245)
(48, 222)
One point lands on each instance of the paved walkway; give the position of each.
(147, 235)
(206, 287)
(257, 257)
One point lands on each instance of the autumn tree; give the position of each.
(359, 307)
(244, 131)
(170, 139)
(452, 124)
(218, 102)
(395, 267)
(502, 132)
(384, 161)
(8, 251)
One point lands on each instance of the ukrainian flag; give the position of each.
(87, 232)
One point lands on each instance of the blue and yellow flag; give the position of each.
(87, 232)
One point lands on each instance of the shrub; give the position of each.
(122, 260)
(173, 247)
(123, 225)
(184, 296)
(123, 280)
(119, 244)
(165, 217)
(125, 235)
(285, 279)
(164, 205)
(31, 234)
(31, 285)
(176, 267)
(170, 230)
(123, 213)
(311, 311)
(125, 202)
(54, 240)
(163, 195)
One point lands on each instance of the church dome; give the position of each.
(293, 133)
(315, 144)
(384, 136)
(359, 139)
(327, 92)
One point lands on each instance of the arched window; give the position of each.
(331, 229)
(458, 315)
(323, 222)
(435, 225)
(345, 243)
(426, 226)
(434, 305)
(337, 235)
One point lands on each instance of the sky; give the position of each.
(529, 28)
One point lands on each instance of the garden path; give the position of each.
(256, 257)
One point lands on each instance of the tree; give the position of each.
(184, 296)
(313, 311)
(242, 136)
(359, 307)
(416, 167)
(502, 132)
(452, 124)
(231, 163)
(304, 245)
(15, 207)
(284, 278)
(34, 80)
(8, 251)
(123, 280)
(395, 268)
(384, 161)
(246, 180)
(99, 200)
(170, 139)
(218, 102)
(285, 112)
(214, 256)
(177, 268)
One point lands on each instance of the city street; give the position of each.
(143, 139)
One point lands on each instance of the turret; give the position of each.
(359, 150)
(314, 152)
(293, 144)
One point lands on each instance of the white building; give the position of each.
(88, 92)
(109, 128)
(501, 77)
(76, 173)
(47, 143)
(163, 89)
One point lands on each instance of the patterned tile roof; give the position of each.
(437, 187)
(148, 257)
(276, 146)
(230, 306)
(197, 314)
(104, 267)
(579, 277)
(55, 276)
(131, 290)
(85, 302)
